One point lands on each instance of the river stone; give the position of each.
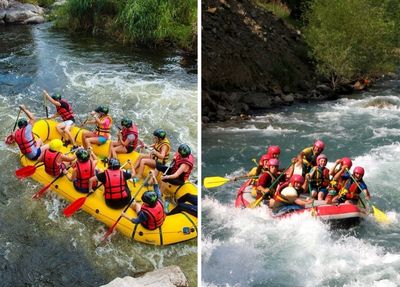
(2, 14)
(171, 276)
(18, 13)
(34, 20)
(3, 4)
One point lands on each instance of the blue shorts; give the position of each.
(33, 156)
(102, 140)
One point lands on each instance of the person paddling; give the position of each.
(308, 156)
(29, 146)
(64, 110)
(55, 162)
(273, 151)
(159, 154)
(103, 127)
(84, 169)
(128, 139)
(116, 190)
(318, 177)
(266, 179)
(353, 187)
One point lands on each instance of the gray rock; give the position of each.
(258, 100)
(171, 276)
(3, 4)
(2, 14)
(34, 20)
(288, 98)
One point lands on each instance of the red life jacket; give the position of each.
(103, 129)
(155, 215)
(84, 171)
(183, 160)
(24, 144)
(114, 187)
(353, 189)
(65, 113)
(51, 166)
(133, 130)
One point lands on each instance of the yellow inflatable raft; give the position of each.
(176, 228)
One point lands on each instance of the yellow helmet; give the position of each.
(56, 145)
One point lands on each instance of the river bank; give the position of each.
(253, 61)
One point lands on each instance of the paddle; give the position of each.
(45, 104)
(257, 202)
(28, 170)
(215, 181)
(38, 194)
(10, 139)
(379, 215)
(111, 229)
(77, 204)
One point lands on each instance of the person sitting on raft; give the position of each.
(263, 186)
(116, 190)
(353, 187)
(150, 214)
(273, 151)
(159, 154)
(318, 178)
(84, 169)
(28, 145)
(128, 138)
(103, 127)
(55, 162)
(308, 156)
(180, 169)
(287, 198)
(340, 175)
(64, 110)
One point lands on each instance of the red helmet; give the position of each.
(263, 158)
(347, 161)
(273, 162)
(360, 170)
(274, 149)
(321, 156)
(296, 178)
(319, 144)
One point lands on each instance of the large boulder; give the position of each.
(13, 12)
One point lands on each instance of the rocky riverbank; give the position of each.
(252, 61)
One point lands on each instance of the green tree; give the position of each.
(350, 39)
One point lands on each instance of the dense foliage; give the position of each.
(149, 22)
(353, 39)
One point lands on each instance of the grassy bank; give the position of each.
(143, 22)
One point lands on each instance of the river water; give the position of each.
(249, 248)
(156, 88)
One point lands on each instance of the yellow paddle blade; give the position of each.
(255, 203)
(380, 216)
(214, 181)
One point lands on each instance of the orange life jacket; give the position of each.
(114, 187)
(158, 146)
(103, 129)
(155, 215)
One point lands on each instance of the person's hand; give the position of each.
(338, 161)
(164, 177)
(22, 107)
(92, 113)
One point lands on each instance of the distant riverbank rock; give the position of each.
(171, 276)
(252, 61)
(14, 12)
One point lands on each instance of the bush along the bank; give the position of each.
(146, 22)
(352, 40)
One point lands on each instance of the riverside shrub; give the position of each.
(350, 39)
